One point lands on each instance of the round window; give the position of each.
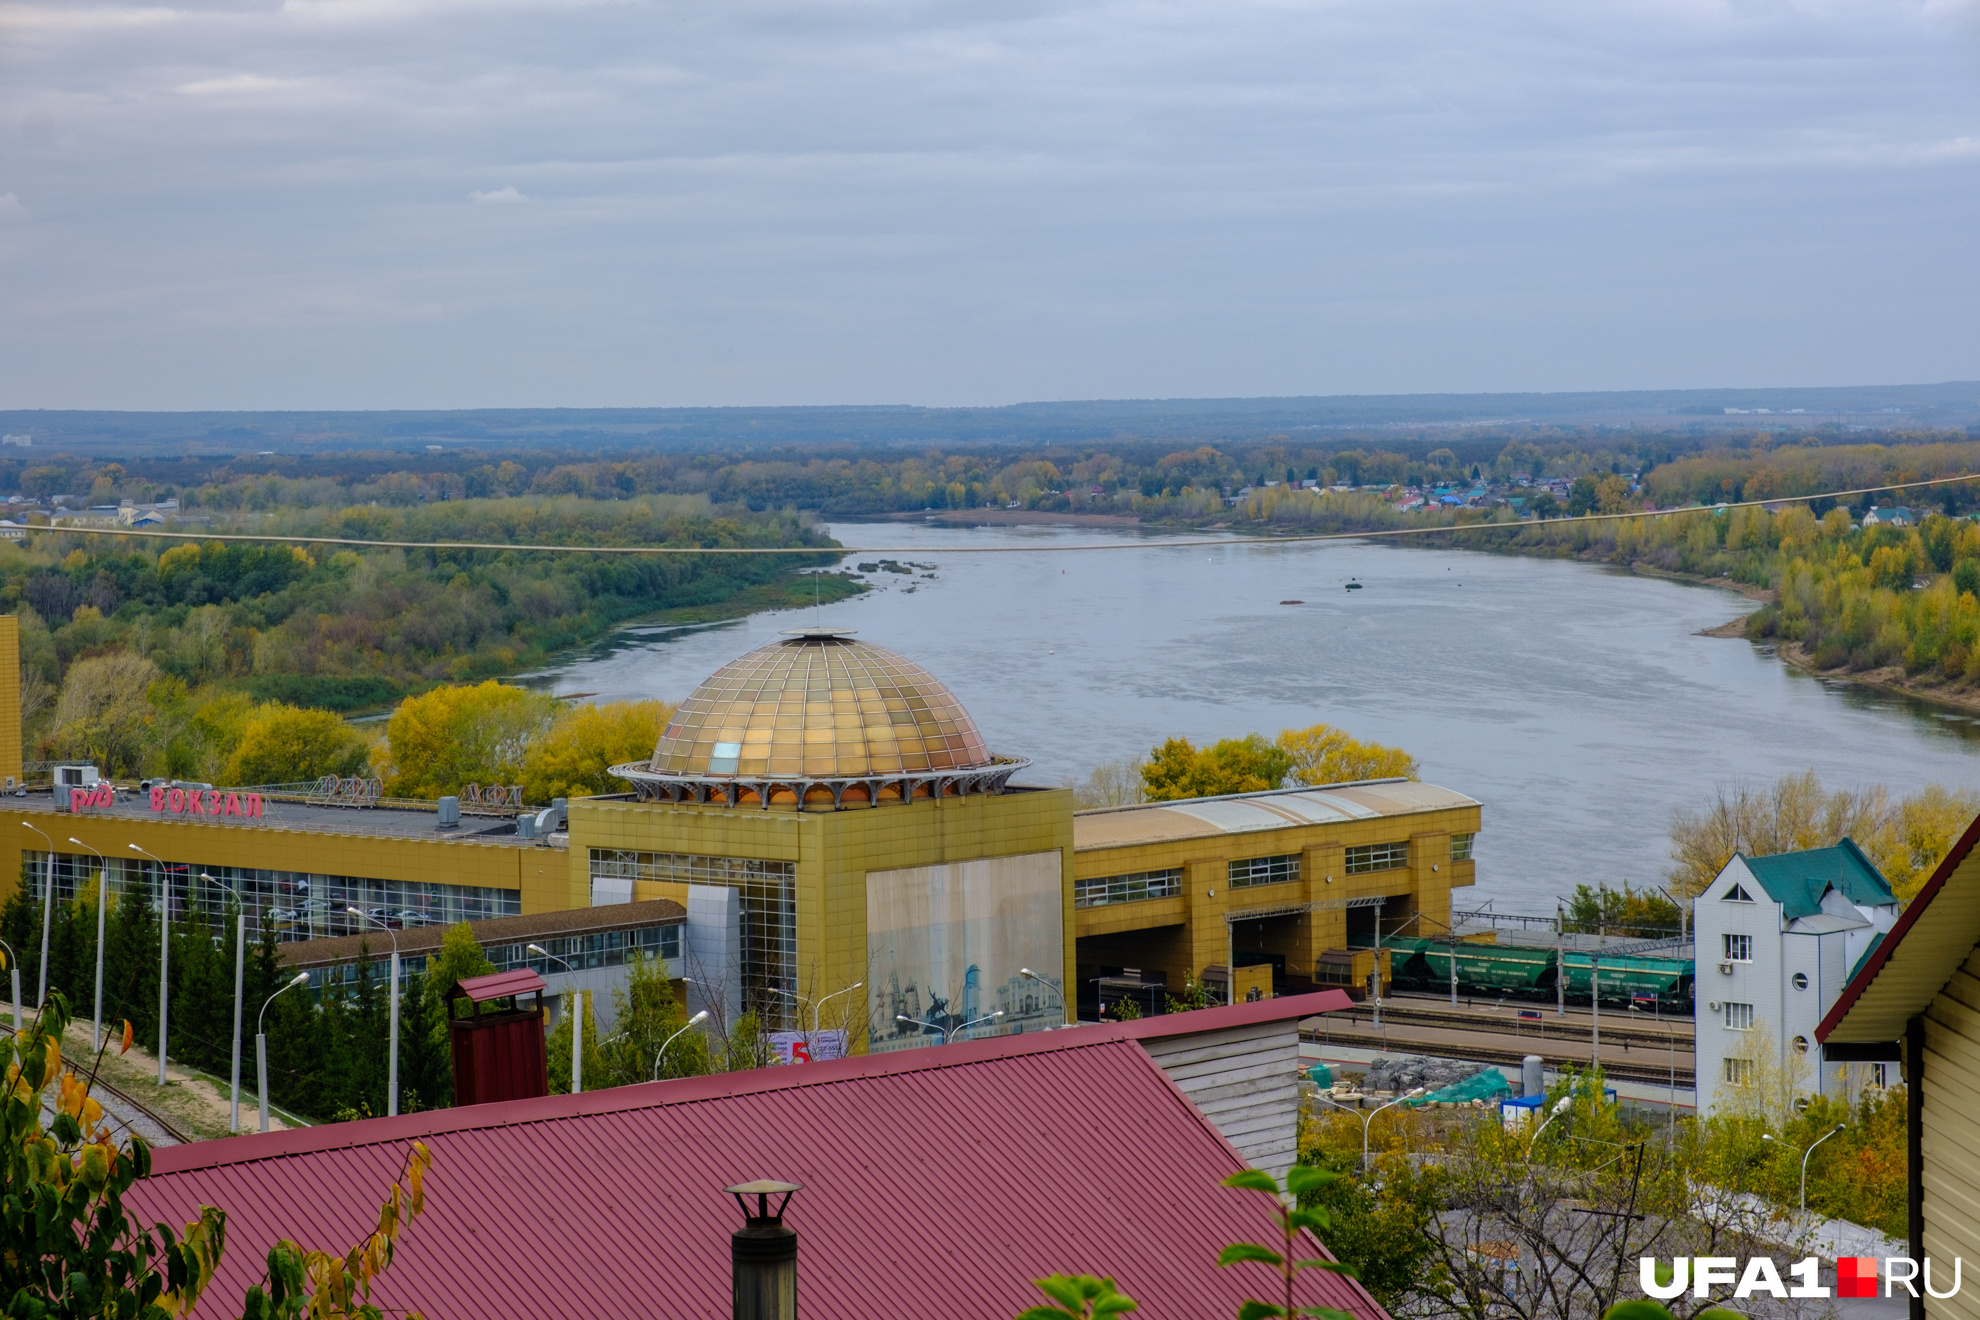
(1801, 1104)
(1801, 980)
(1801, 1044)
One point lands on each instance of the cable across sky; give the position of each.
(840, 551)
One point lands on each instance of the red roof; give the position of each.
(500, 985)
(961, 1172)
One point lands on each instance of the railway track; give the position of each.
(1617, 1026)
(1486, 1035)
(137, 1114)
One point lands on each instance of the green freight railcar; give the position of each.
(1526, 969)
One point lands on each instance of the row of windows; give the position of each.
(1102, 890)
(1264, 870)
(300, 905)
(1250, 871)
(1377, 857)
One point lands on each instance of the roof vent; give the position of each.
(764, 1253)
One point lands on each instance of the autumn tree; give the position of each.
(573, 756)
(1178, 769)
(451, 736)
(283, 744)
(102, 714)
(1323, 754)
(1905, 839)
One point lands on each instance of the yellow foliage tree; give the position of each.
(283, 744)
(1905, 838)
(451, 736)
(1323, 754)
(573, 758)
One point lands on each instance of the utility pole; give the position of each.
(1560, 967)
(1595, 999)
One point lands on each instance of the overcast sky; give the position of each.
(447, 203)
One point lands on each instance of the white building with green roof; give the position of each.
(1778, 938)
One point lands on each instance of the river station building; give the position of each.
(831, 812)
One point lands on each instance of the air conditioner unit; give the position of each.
(75, 776)
(1712, 1007)
(1726, 967)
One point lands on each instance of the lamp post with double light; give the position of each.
(392, 1060)
(576, 1014)
(164, 951)
(47, 915)
(240, 971)
(102, 906)
(261, 1043)
(1369, 1117)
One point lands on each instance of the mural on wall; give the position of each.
(944, 945)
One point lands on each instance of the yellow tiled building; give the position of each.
(869, 838)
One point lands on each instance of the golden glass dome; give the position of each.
(820, 706)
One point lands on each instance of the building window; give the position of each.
(769, 913)
(1377, 857)
(1736, 1072)
(1738, 948)
(1737, 894)
(1739, 1017)
(1264, 871)
(1800, 980)
(1102, 890)
(1461, 847)
(1880, 1074)
(299, 905)
(1801, 1044)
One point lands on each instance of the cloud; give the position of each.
(11, 210)
(984, 200)
(235, 85)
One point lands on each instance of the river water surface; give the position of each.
(1576, 702)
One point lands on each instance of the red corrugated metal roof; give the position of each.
(1238, 1015)
(959, 1172)
(500, 985)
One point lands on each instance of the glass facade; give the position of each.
(300, 905)
(1264, 870)
(769, 913)
(1102, 890)
(819, 707)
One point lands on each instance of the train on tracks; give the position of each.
(1529, 971)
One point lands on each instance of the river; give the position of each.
(1575, 701)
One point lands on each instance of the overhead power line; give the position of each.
(841, 551)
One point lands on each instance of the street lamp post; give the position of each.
(102, 906)
(1369, 1117)
(577, 1019)
(1034, 976)
(392, 1063)
(47, 914)
(694, 1021)
(949, 1034)
(14, 975)
(240, 967)
(816, 1006)
(164, 953)
(261, 1045)
(1804, 1163)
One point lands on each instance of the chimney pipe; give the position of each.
(764, 1254)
